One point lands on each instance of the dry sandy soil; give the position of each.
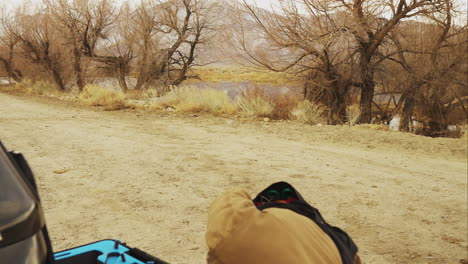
(148, 178)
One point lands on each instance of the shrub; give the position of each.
(235, 74)
(44, 88)
(380, 127)
(192, 99)
(98, 96)
(464, 132)
(149, 94)
(254, 102)
(353, 112)
(283, 105)
(308, 112)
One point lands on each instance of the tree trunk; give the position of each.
(80, 82)
(121, 73)
(407, 112)
(341, 112)
(14, 74)
(142, 80)
(332, 107)
(367, 90)
(143, 75)
(437, 115)
(58, 79)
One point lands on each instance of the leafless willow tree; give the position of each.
(82, 24)
(302, 38)
(156, 41)
(370, 22)
(435, 59)
(165, 36)
(352, 32)
(7, 56)
(38, 42)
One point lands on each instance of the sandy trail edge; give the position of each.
(148, 179)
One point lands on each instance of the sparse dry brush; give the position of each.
(346, 48)
(379, 58)
(43, 88)
(71, 41)
(353, 113)
(258, 102)
(192, 99)
(254, 102)
(94, 95)
(239, 74)
(308, 113)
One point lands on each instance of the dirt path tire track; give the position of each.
(149, 179)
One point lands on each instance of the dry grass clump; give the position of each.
(236, 74)
(464, 132)
(254, 102)
(98, 96)
(353, 113)
(192, 99)
(308, 112)
(283, 105)
(43, 88)
(149, 94)
(380, 127)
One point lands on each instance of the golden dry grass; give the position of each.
(283, 105)
(149, 94)
(308, 113)
(353, 112)
(380, 127)
(464, 133)
(94, 95)
(237, 74)
(254, 102)
(43, 88)
(192, 99)
(255, 106)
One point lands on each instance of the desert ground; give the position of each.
(148, 178)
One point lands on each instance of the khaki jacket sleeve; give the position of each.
(239, 233)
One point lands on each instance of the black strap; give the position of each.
(342, 240)
(145, 257)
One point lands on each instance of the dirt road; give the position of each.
(148, 178)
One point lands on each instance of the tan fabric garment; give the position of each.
(238, 233)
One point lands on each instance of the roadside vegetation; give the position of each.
(350, 62)
(243, 74)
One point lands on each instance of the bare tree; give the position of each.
(370, 22)
(166, 36)
(437, 70)
(74, 21)
(7, 58)
(307, 43)
(160, 36)
(84, 25)
(39, 42)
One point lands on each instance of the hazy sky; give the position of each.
(268, 4)
(261, 3)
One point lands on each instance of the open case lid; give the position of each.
(20, 213)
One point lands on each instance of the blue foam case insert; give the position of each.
(100, 252)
